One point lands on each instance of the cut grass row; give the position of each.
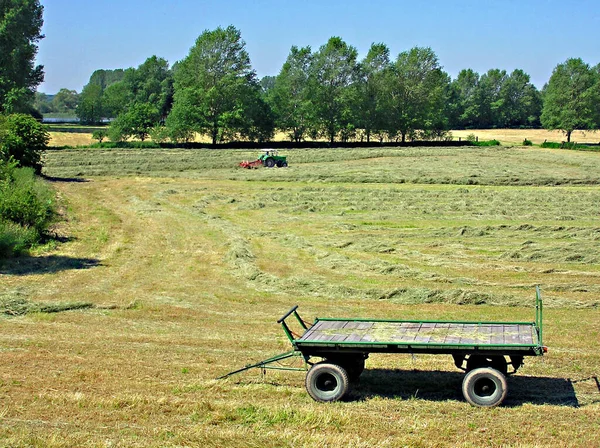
(462, 166)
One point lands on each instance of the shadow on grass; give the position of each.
(442, 386)
(64, 179)
(45, 265)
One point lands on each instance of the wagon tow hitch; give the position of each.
(266, 364)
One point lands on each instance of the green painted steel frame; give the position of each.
(539, 314)
(284, 324)
(265, 364)
(423, 321)
(537, 348)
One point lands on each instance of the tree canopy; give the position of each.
(372, 70)
(289, 96)
(329, 93)
(415, 93)
(572, 97)
(333, 71)
(20, 30)
(215, 87)
(22, 140)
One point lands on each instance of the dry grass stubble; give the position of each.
(197, 271)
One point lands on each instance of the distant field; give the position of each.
(186, 261)
(505, 136)
(70, 139)
(537, 136)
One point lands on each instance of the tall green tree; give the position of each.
(138, 121)
(520, 102)
(489, 97)
(92, 108)
(20, 30)
(105, 78)
(494, 100)
(116, 99)
(370, 86)
(571, 98)
(43, 103)
(65, 101)
(333, 71)
(289, 97)
(466, 102)
(151, 83)
(416, 88)
(214, 86)
(267, 83)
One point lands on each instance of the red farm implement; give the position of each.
(250, 165)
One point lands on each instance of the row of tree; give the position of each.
(329, 94)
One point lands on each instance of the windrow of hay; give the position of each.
(19, 306)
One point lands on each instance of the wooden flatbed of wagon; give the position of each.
(419, 336)
(480, 349)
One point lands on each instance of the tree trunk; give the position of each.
(403, 136)
(214, 133)
(368, 136)
(569, 136)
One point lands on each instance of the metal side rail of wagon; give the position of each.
(483, 350)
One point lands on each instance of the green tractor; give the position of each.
(270, 159)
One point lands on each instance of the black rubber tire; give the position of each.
(270, 163)
(496, 362)
(484, 387)
(279, 164)
(284, 164)
(326, 382)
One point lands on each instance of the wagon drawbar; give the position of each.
(483, 350)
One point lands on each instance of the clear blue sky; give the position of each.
(534, 35)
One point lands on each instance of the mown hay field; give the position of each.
(172, 266)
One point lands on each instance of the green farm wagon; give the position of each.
(486, 351)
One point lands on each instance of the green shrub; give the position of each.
(26, 200)
(15, 239)
(138, 121)
(527, 142)
(471, 138)
(27, 208)
(550, 145)
(126, 145)
(99, 135)
(24, 140)
(487, 143)
(567, 145)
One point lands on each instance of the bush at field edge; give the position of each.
(27, 208)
